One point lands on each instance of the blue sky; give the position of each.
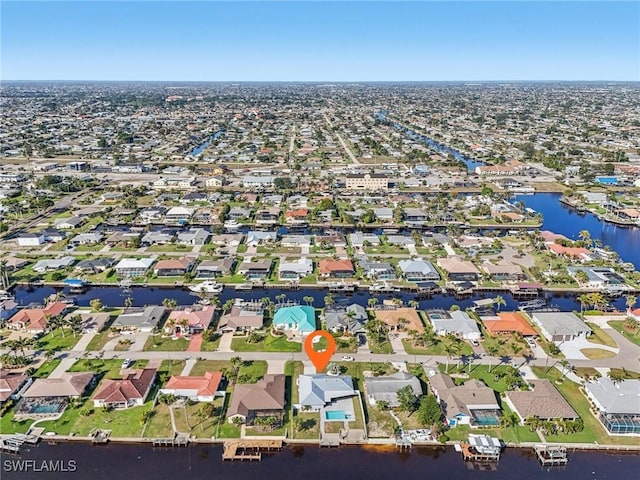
(320, 41)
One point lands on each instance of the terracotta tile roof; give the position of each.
(133, 386)
(36, 318)
(509, 322)
(328, 266)
(204, 385)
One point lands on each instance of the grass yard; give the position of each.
(171, 367)
(210, 345)
(165, 343)
(47, 367)
(250, 371)
(481, 372)
(600, 336)
(310, 429)
(346, 345)
(159, 425)
(436, 349)
(109, 368)
(55, 340)
(380, 423)
(269, 343)
(597, 353)
(633, 335)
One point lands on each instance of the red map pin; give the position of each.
(320, 359)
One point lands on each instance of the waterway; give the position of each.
(200, 148)
(441, 148)
(140, 296)
(142, 462)
(561, 219)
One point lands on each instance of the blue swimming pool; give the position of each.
(337, 415)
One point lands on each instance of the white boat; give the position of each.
(383, 288)
(207, 287)
(231, 225)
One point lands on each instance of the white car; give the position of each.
(347, 358)
(126, 363)
(531, 342)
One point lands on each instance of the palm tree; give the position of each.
(492, 350)
(450, 349)
(372, 302)
(226, 308)
(630, 301)
(170, 302)
(499, 301)
(585, 236)
(75, 323)
(128, 302)
(308, 299)
(236, 363)
(281, 298)
(584, 300)
(5, 281)
(328, 300)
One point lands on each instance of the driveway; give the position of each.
(225, 342)
(571, 350)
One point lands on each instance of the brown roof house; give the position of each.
(329, 268)
(173, 267)
(131, 391)
(47, 397)
(11, 383)
(262, 399)
(543, 401)
(472, 403)
(243, 317)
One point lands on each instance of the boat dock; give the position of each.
(178, 440)
(99, 436)
(250, 450)
(481, 448)
(551, 455)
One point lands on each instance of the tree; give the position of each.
(492, 350)
(451, 348)
(429, 412)
(236, 363)
(169, 302)
(509, 420)
(128, 302)
(499, 301)
(96, 305)
(308, 299)
(328, 300)
(585, 236)
(630, 301)
(407, 399)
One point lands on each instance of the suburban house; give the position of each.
(404, 241)
(383, 214)
(262, 399)
(560, 326)
(472, 403)
(502, 272)
(92, 322)
(133, 267)
(385, 388)
(69, 384)
(349, 319)
(267, 216)
(189, 320)
(255, 237)
(89, 238)
(94, 265)
(243, 317)
(296, 217)
(329, 268)
(295, 270)
(508, 323)
(258, 270)
(616, 403)
(34, 320)
(542, 401)
(295, 241)
(595, 277)
(360, 239)
(238, 213)
(215, 268)
(193, 236)
(132, 390)
(418, 270)
(456, 322)
(403, 318)
(377, 269)
(8, 308)
(48, 264)
(12, 384)
(173, 267)
(331, 239)
(161, 237)
(139, 319)
(30, 240)
(458, 270)
(69, 223)
(318, 391)
(577, 253)
(204, 388)
(299, 320)
(415, 215)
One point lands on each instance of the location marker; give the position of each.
(320, 359)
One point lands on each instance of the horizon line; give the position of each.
(326, 81)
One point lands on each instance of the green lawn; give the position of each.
(159, 425)
(270, 343)
(9, 425)
(481, 372)
(380, 423)
(165, 343)
(46, 368)
(55, 340)
(99, 340)
(383, 347)
(600, 336)
(210, 346)
(110, 368)
(593, 430)
(346, 345)
(310, 426)
(436, 349)
(631, 335)
(250, 371)
(171, 367)
(597, 353)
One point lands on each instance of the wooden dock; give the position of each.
(551, 455)
(178, 440)
(470, 454)
(100, 436)
(250, 450)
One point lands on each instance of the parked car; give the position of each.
(348, 358)
(531, 342)
(126, 363)
(475, 342)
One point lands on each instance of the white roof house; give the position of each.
(560, 326)
(316, 391)
(458, 323)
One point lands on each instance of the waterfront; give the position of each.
(559, 218)
(142, 462)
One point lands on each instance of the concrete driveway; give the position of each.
(571, 350)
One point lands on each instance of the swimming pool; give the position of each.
(337, 415)
(435, 316)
